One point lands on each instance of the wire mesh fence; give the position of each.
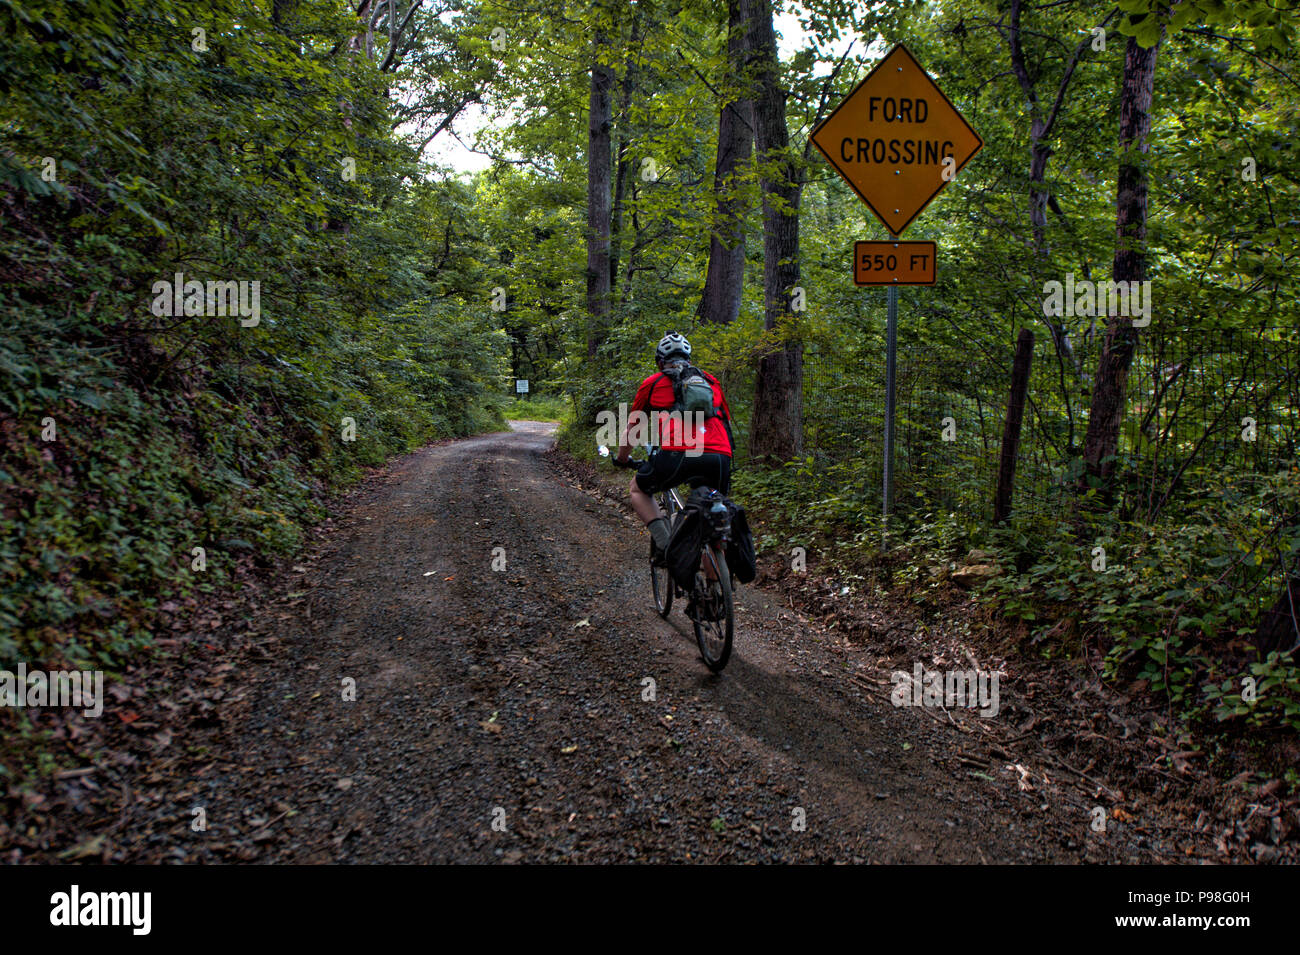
(1222, 402)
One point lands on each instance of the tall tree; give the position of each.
(776, 428)
(599, 122)
(725, 277)
(626, 89)
(1042, 124)
(1102, 440)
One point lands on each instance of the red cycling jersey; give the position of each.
(655, 397)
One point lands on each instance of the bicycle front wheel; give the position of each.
(714, 618)
(662, 582)
(660, 578)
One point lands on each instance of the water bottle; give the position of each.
(719, 516)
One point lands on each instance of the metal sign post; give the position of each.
(891, 352)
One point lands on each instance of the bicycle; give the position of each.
(713, 614)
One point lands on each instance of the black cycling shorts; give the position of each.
(670, 468)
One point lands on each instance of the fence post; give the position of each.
(1011, 431)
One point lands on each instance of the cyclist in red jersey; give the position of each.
(694, 451)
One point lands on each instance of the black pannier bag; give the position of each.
(683, 555)
(740, 548)
(693, 528)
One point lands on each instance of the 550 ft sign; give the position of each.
(893, 263)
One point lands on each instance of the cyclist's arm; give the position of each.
(640, 404)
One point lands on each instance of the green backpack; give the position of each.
(692, 393)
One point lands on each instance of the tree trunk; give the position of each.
(1102, 440)
(776, 426)
(1042, 123)
(358, 42)
(1040, 153)
(1011, 429)
(599, 120)
(624, 135)
(1279, 627)
(281, 11)
(725, 279)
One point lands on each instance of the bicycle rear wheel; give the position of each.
(714, 617)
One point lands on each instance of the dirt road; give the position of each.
(506, 714)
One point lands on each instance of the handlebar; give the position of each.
(605, 452)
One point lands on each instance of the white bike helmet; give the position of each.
(673, 344)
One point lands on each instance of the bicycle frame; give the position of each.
(715, 543)
(672, 495)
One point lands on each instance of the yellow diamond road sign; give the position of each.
(897, 140)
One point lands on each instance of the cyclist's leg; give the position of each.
(655, 475)
(646, 507)
(707, 470)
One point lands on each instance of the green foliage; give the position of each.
(1171, 594)
(1274, 698)
(540, 408)
(230, 163)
